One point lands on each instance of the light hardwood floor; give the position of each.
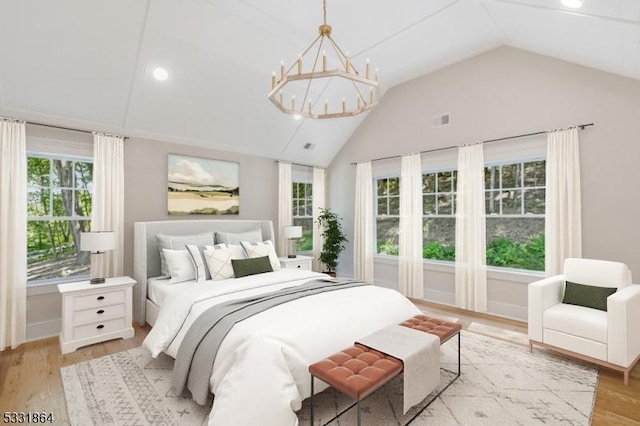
(30, 374)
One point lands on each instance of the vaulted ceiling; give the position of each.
(88, 63)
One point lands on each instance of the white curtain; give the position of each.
(363, 232)
(563, 219)
(108, 200)
(284, 205)
(471, 274)
(410, 270)
(318, 203)
(13, 234)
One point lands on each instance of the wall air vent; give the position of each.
(440, 120)
(309, 146)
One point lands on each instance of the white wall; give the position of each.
(501, 93)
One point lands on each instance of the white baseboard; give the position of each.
(388, 284)
(499, 309)
(506, 310)
(43, 330)
(442, 297)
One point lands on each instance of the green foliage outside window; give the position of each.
(515, 207)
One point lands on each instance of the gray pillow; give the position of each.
(253, 236)
(179, 242)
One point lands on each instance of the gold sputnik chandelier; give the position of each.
(333, 87)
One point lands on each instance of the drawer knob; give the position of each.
(100, 311)
(100, 297)
(100, 326)
(298, 266)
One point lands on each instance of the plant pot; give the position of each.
(331, 274)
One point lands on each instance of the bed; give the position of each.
(260, 374)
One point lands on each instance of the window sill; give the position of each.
(51, 286)
(493, 272)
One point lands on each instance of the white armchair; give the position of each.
(609, 338)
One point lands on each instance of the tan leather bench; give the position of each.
(358, 371)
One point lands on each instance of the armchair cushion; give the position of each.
(587, 295)
(577, 321)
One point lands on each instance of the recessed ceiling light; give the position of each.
(574, 4)
(160, 74)
(297, 116)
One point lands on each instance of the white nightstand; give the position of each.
(298, 262)
(93, 313)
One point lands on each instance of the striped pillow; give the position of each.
(197, 258)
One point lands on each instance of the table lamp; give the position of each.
(291, 233)
(97, 243)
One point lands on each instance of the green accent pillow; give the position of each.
(588, 296)
(256, 265)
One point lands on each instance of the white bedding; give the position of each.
(260, 375)
(160, 289)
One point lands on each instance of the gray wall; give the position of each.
(146, 200)
(501, 93)
(146, 186)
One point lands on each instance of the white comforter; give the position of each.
(260, 375)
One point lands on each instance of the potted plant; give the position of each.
(334, 238)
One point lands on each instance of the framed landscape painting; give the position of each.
(202, 186)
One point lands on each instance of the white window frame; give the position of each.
(384, 216)
(294, 201)
(453, 193)
(522, 188)
(51, 217)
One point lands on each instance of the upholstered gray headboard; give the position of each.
(146, 262)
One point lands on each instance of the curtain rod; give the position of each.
(68, 128)
(581, 126)
(299, 164)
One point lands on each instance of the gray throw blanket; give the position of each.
(197, 352)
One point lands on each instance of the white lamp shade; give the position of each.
(97, 241)
(292, 232)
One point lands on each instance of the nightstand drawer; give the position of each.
(96, 329)
(300, 265)
(99, 313)
(98, 300)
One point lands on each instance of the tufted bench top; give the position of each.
(357, 371)
(443, 329)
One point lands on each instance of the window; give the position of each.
(515, 208)
(438, 209)
(387, 215)
(302, 204)
(58, 209)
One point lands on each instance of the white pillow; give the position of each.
(179, 242)
(179, 265)
(237, 251)
(219, 261)
(260, 249)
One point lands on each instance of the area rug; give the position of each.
(501, 384)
